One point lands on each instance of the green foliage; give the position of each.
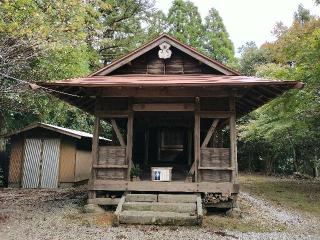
(302, 15)
(283, 136)
(117, 28)
(217, 43)
(135, 171)
(157, 24)
(41, 40)
(185, 23)
(251, 58)
(210, 37)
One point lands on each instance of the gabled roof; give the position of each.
(65, 131)
(155, 43)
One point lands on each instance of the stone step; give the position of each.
(157, 218)
(160, 207)
(177, 198)
(141, 198)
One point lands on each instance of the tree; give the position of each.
(217, 43)
(29, 30)
(251, 58)
(302, 15)
(290, 125)
(279, 29)
(185, 23)
(116, 28)
(157, 24)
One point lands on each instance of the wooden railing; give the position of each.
(111, 163)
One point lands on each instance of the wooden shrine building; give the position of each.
(171, 108)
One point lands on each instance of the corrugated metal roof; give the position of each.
(66, 131)
(135, 80)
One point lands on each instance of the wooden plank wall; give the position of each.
(215, 165)
(179, 63)
(16, 160)
(67, 160)
(112, 163)
(83, 165)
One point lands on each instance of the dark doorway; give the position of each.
(163, 141)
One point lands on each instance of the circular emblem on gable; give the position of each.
(164, 51)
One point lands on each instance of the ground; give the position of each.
(272, 208)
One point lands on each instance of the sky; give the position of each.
(249, 20)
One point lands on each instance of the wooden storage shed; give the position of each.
(172, 109)
(48, 156)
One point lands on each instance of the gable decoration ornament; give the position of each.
(164, 51)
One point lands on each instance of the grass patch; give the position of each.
(301, 195)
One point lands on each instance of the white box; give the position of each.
(161, 174)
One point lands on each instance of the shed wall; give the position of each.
(83, 165)
(67, 160)
(16, 160)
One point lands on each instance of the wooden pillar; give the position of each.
(197, 143)
(129, 138)
(233, 140)
(95, 154)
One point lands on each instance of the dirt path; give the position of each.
(34, 214)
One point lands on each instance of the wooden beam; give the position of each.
(192, 169)
(262, 93)
(233, 141)
(95, 153)
(109, 166)
(197, 143)
(164, 92)
(210, 132)
(129, 138)
(217, 168)
(112, 114)
(216, 114)
(117, 131)
(166, 107)
(149, 186)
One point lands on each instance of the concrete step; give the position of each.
(157, 218)
(160, 207)
(177, 198)
(141, 198)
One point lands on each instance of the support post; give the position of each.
(129, 138)
(233, 140)
(95, 154)
(197, 143)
